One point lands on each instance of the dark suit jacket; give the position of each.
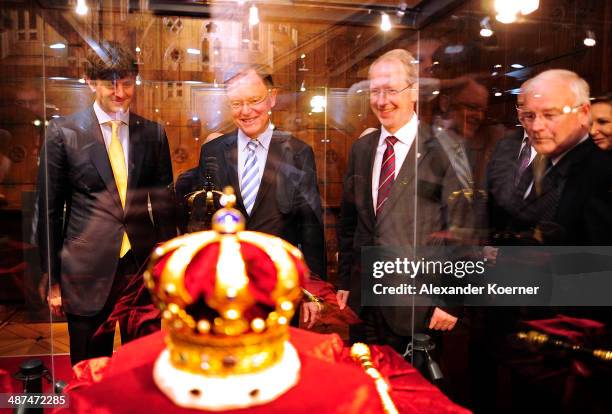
(81, 219)
(573, 208)
(288, 204)
(398, 224)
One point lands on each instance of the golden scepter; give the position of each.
(539, 338)
(360, 352)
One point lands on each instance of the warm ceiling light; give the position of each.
(385, 22)
(589, 40)
(517, 66)
(485, 27)
(303, 56)
(81, 8)
(193, 51)
(253, 15)
(302, 87)
(138, 80)
(529, 6)
(58, 46)
(137, 49)
(81, 80)
(318, 103)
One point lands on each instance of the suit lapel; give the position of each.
(230, 155)
(371, 153)
(136, 156)
(99, 155)
(275, 156)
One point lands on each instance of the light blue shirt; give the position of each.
(124, 129)
(261, 152)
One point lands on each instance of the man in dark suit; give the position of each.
(564, 197)
(408, 212)
(272, 173)
(99, 170)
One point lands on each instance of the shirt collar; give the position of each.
(104, 117)
(558, 158)
(264, 139)
(405, 134)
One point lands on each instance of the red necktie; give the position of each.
(387, 174)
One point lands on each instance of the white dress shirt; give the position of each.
(405, 137)
(124, 129)
(261, 152)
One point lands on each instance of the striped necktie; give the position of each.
(523, 160)
(250, 177)
(116, 157)
(387, 174)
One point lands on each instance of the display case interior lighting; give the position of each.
(253, 15)
(318, 103)
(58, 45)
(589, 40)
(385, 22)
(507, 11)
(529, 6)
(81, 8)
(485, 27)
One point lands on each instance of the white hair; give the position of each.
(578, 86)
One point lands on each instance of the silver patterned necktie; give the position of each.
(250, 177)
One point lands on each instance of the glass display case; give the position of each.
(457, 114)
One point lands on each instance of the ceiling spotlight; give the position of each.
(193, 51)
(497, 93)
(485, 27)
(302, 87)
(517, 66)
(318, 103)
(253, 15)
(529, 6)
(57, 46)
(138, 80)
(589, 40)
(303, 56)
(81, 8)
(137, 49)
(498, 66)
(81, 80)
(505, 18)
(385, 22)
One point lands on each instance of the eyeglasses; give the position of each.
(389, 93)
(549, 115)
(251, 103)
(110, 84)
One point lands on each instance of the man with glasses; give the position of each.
(273, 173)
(568, 167)
(105, 200)
(380, 205)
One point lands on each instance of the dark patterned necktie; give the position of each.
(523, 160)
(387, 174)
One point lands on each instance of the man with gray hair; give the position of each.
(564, 197)
(380, 206)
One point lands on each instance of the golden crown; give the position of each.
(226, 295)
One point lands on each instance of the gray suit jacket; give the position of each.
(415, 215)
(81, 220)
